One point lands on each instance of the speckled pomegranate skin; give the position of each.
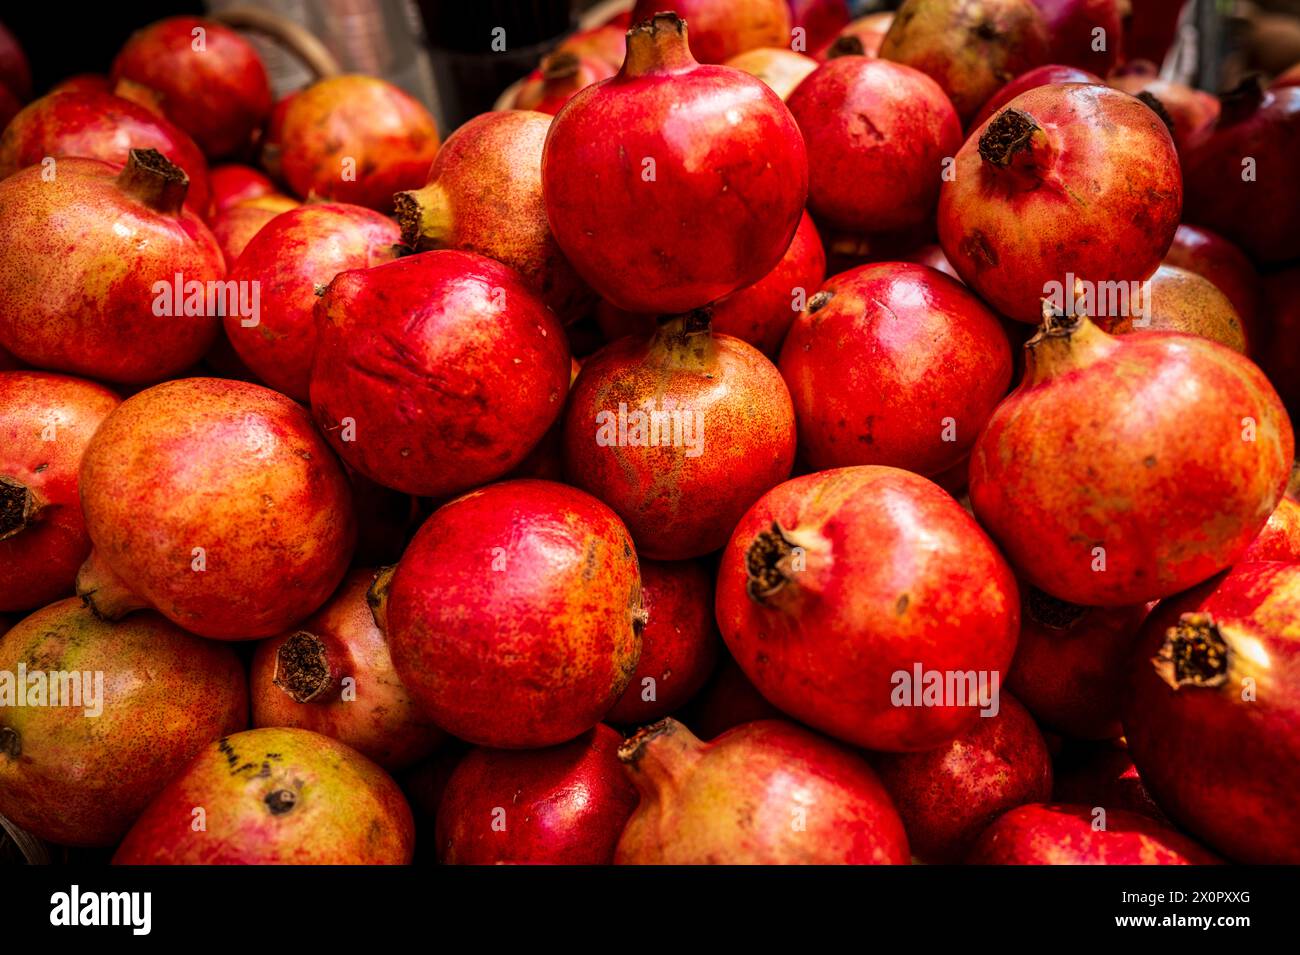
(1280, 538)
(1059, 834)
(78, 780)
(335, 807)
(1211, 255)
(1177, 300)
(512, 617)
(1028, 80)
(720, 29)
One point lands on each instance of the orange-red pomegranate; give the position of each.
(720, 28)
(1061, 834)
(1210, 255)
(1280, 538)
(560, 75)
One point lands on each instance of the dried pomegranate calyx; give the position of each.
(1194, 653)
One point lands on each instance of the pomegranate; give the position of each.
(485, 195)
(782, 69)
(969, 47)
(514, 616)
(15, 72)
(291, 259)
(635, 434)
(233, 184)
(1176, 300)
(235, 227)
(607, 43)
(205, 77)
(1278, 354)
(46, 421)
(1094, 503)
(947, 796)
(81, 83)
(143, 698)
(386, 521)
(728, 700)
(845, 594)
(87, 274)
(820, 20)
(662, 140)
(877, 135)
(275, 797)
(1061, 834)
(1103, 774)
(560, 75)
(1190, 112)
(869, 30)
(721, 28)
(932, 255)
(764, 793)
(1280, 538)
(215, 502)
(1068, 180)
(1210, 255)
(565, 805)
(1211, 719)
(1052, 73)
(436, 372)
(1085, 33)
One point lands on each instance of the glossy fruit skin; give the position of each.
(1061, 834)
(779, 67)
(1178, 300)
(736, 800)
(78, 275)
(1280, 538)
(1051, 73)
(1063, 508)
(1009, 230)
(1071, 25)
(165, 694)
(1210, 255)
(233, 183)
(514, 615)
(295, 798)
(947, 796)
(680, 498)
(390, 135)
(218, 94)
(230, 467)
(642, 244)
(236, 226)
(290, 258)
(450, 367)
(560, 75)
(720, 29)
(46, 421)
(895, 573)
(1227, 735)
(564, 805)
(894, 364)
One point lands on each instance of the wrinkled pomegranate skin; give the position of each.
(780, 68)
(1103, 205)
(1059, 834)
(237, 470)
(78, 270)
(1210, 255)
(877, 372)
(720, 29)
(390, 135)
(896, 574)
(451, 368)
(1133, 444)
(1224, 767)
(1278, 355)
(38, 564)
(1047, 75)
(1178, 300)
(100, 126)
(81, 781)
(565, 805)
(733, 801)
(345, 810)
(679, 645)
(1104, 775)
(547, 93)
(679, 504)
(510, 617)
(728, 700)
(1192, 111)
(1070, 25)
(235, 227)
(301, 251)
(947, 796)
(218, 95)
(720, 140)
(233, 183)
(1280, 538)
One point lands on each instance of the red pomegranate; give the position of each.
(216, 503)
(1210, 255)
(560, 75)
(1280, 538)
(15, 72)
(1052, 73)
(515, 613)
(969, 47)
(1175, 300)
(1035, 187)
(868, 30)
(565, 805)
(1061, 834)
(233, 184)
(291, 259)
(88, 270)
(607, 43)
(721, 28)
(679, 434)
(947, 796)
(932, 255)
(142, 698)
(656, 140)
(728, 700)
(355, 139)
(1278, 355)
(845, 595)
(1211, 719)
(1190, 112)
(46, 421)
(1085, 33)
(877, 134)
(782, 69)
(1101, 506)
(1103, 774)
(235, 227)
(275, 797)
(436, 372)
(766, 793)
(203, 76)
(820, 20)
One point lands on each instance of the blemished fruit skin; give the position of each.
(1210, 255)
(564, 805)
(721, 29)
(1280, 538)
(76, 779)
(1213, 718)
(217, 503)
(837, 585)
(46, 421)
(1128, 468)
(1060, 834)
(514, 616)
(1031, 79)
(275, 797)
(764, 793)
